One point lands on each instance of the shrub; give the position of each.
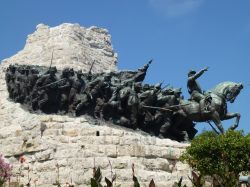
(5, 170)
(221, 157)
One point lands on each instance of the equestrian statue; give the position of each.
(208, 106)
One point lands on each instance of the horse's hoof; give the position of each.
(233, 127)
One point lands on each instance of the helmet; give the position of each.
(191, 72)
(177, 90)
(79, 72)
(53, 70)
(158, 85)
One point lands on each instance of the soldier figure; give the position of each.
(10, 79)
(64, 88)
(194, 88)
(196, 92)
(77, 86)
(149, 96)
(11, 70)
(45, 89)
(141, 73)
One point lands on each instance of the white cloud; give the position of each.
(175, 8)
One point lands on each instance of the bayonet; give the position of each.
(51, 59)
(89, 73)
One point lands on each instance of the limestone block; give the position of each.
(120, 164)
(9, 131)
(70, 132)
(114, 140)
(157, 164)
(44, 155)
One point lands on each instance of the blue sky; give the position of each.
(178, 34)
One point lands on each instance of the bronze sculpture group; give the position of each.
(122, 98)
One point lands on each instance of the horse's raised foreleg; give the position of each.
(216, 119)
(233, 115)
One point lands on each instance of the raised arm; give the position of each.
(197, 75)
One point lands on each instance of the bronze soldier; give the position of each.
(45, 89)
(141, 73)
(196, 92)
(77, 86)
(10, 79)
(64, 89)
(94, 89)
(193, 86)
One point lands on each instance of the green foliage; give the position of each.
(152, 183)
(136, 182)
(98, 174)
(197, 179)
(94, 183)
(108, 182)
(222, 157)
(179, 183)
(97, 178)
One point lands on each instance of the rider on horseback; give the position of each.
(195, 90)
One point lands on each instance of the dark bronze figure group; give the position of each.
(122, 98)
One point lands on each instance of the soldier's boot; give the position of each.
(78, 109)
(207, 103)
(164, 129)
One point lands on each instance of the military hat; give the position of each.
(191, 72)
(53, 69)
(177, 90)
(79, 72)
(158, 85)
(146, 86)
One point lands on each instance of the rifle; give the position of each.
(51, 60)
(150, 61)
(89, 73)
(165, 86)
(157, 108)
(170, 108)
(47, 85)
(147, 65)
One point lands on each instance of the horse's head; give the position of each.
(233, 92)
(230, 90)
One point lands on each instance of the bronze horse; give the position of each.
(217, 109)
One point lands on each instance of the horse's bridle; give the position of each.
(219, 95)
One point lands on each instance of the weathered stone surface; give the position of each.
(72, 143)
(73, 46)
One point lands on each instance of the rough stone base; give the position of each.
(73, 145)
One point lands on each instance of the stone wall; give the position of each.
(73, 143)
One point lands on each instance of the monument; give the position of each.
(66, 111)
